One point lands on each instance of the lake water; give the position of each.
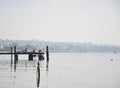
(64, 70)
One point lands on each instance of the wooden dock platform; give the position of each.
(23, 53)
(30, 54)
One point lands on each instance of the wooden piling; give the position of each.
(47, 53)
(30, 57)
(38, 74)
(11, 56)
(47, 57)
(14, 58)
(15, 54)
(40, 57)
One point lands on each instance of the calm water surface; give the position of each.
(64, 70)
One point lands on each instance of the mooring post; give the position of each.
(11, 56)
(47, 53)
(40, 57)
(14, 58)
(38, 74)
(30, 57)
(15, 54)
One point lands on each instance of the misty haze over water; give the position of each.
(58, 46)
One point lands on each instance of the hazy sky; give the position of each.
(96, 21)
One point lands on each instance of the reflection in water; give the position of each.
(33, 63)
(14, 65)
(47, 65)
(47, 68)
(22, 67)
(14, 77)
(86, 69)
(11, 60)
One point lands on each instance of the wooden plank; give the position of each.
(6, 53)
(24, 53)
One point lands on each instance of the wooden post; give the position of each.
(47, 58)
(11, 56)
(15, 55)
(14, 58)
(47, 53)
(40, 57)
(30, 57)
(38, 74)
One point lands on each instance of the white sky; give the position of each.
(96, 21)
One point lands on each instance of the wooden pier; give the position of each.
(30, 54)
(15, 53)
(23, 53)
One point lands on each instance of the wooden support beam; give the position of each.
(23, 53)
(30, 57)
(38, 74)
(15, 54)
(11, 56)
(47, 53)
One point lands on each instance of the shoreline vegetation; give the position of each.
(57, 47)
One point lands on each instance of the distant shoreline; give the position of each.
(57, 47)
